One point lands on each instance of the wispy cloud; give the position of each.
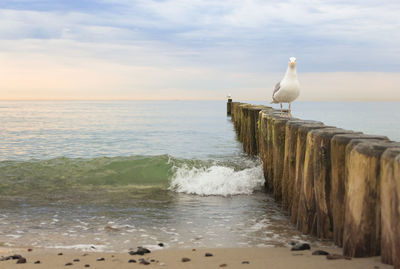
(230, 37)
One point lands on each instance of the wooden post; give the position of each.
(289, 163)
(337, 196)
(390, 206)
(314, 209)
(362, 223)
(299, 166)
(229, 107)
(278, 153)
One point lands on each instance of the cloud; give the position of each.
(192, 46)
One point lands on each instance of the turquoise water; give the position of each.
(116, 175)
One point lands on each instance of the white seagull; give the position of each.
(288, 89)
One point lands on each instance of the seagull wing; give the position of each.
(276, 89)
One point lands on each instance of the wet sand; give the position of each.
(247, 258)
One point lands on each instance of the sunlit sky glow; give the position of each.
(198, 49)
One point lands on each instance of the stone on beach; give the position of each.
(301, 246)
(21, 260)
(143, 261)
(140, 251)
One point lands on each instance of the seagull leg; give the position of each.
(290, 112)
(281, 109)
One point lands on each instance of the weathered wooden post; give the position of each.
(262, 141)
(322, 180)
(314, 211)
(278, 152)
(229, 106)
(253, 116)
(299, 166)
(362, 222)
(289, 165)
(235, 116)
(337, 196)
(269, 148)
(390, 207)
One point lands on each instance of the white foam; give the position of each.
(217, 180)
(84, 247)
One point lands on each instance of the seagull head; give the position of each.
(292, 62)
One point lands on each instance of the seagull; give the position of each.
(288, 89)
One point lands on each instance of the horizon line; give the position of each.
(188, 99)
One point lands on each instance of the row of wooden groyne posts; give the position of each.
(335, 184)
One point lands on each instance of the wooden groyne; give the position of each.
(335, 184)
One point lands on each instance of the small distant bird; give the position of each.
(288, 89)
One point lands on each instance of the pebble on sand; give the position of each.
(68, 264)
(223, 265)
(140, 251)
(161, 244)
(37, 262)
(301, 246)
(100, 259)
(143, 261)
(77, 260)
(185, 259)
(87, 265)
(208, 254)
(132, 261)
(21, 260)
(12, 257)
(245, 262)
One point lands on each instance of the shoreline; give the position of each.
(249, 258)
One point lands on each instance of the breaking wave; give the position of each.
(229, 176)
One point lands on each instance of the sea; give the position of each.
(114, 175)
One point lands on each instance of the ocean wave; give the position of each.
(217, 180)
(226, 176)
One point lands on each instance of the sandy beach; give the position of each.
(172, 258)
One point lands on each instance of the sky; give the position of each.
(193, 49)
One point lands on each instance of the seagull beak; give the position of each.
(292, 64)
